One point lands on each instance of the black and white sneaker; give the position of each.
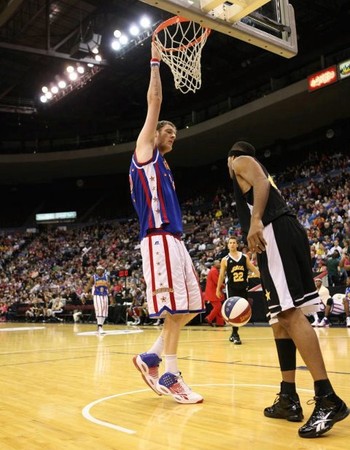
(235, 339)
(286, 406)
(329, 409)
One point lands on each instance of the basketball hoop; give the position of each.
(180, 42)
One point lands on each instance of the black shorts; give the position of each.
(238, 293)
(285, 268)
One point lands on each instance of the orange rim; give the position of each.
(174, 20)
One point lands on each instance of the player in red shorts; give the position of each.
(173, 290)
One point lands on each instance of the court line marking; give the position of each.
(91, 418)
(108, 333)
(88, 416)
(22, 328)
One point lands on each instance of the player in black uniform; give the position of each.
(234, 270)
(284, 261)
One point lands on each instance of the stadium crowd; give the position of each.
(56, 262)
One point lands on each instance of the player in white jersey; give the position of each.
(173, 290)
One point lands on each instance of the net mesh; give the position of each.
(180, 44)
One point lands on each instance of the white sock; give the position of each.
(100, 320)
(171, 364)
(158, 346)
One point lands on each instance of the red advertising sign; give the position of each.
(323, 78)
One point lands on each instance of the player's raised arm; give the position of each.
(146, 138)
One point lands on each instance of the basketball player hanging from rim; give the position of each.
(234, 269)
(173, 290)
(284, 261)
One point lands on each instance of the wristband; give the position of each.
(155, 62)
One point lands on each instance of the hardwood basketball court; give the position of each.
(64, 387)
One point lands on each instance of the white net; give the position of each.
(180, 44)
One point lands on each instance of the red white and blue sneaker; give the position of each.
(329, 409)
(173, 384)
(148, 365)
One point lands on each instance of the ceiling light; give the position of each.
(123, 39)
(73, 76)
(145, 22)
(116, 45)
(117, 34)
(98, 58)
(134, 30)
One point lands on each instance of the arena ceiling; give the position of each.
(36, 35)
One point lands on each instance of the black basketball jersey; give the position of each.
(236, 275)
(275, 207)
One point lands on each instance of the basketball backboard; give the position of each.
(269, 24)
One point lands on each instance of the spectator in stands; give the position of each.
(35, 312)
(325, 297)
(172, 287)
(138, 309)
(334, 307)
(332, 263)
(313, 258)
(344, 263)
(320, 267)
(335, 247)
(73, 298)
(3, 311)
(327, 229)
(12, 313)
(55, 308)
